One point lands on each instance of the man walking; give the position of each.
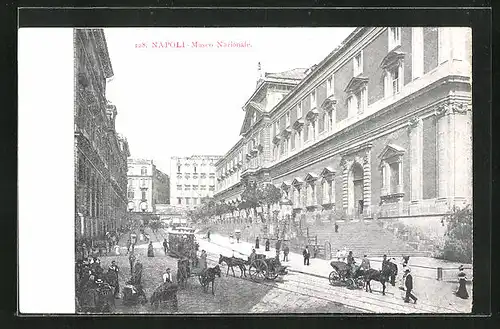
(113, 268)
(257, 243)
(165, 245)
(306, 255)
(286, 250)
(167, 276)
(267, 244)
(131, 260)
(278, 245)
(409, 287)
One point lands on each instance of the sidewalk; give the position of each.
(429, 291)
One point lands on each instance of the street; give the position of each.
(292, 294)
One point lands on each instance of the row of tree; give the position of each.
(254, 196)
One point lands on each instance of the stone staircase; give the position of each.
(362, 237)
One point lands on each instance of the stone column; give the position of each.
(367, 184)
(415, 128)
(454, 151)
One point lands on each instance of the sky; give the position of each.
(187, 101)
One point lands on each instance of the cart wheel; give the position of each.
(258, 270)
(333, 277)
(271, 275)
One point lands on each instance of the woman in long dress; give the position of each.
(462, 280)
(150, 250)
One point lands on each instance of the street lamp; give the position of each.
(144, 206)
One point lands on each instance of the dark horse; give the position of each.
(208, 276)
(231, 262)
(165, 292)
(382, 276)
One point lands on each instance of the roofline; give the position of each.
(265, 81)
(347, 41)
(238, 143)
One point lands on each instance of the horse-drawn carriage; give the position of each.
(95, 289)
(261, 268)
(342, 274)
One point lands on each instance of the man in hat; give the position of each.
(167, 276)
(350, 262)
(306, 255)
(365, 263)
(165, 245)
(252, 256)
(113, 268)
(409, 287)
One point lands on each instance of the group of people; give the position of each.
(278, 246)
(91, 275)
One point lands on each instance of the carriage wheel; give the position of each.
(258, 270)
(333, 277)
(271, 275)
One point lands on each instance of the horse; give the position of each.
(208, 276)
(231, 262)
(380, 276)
(165, 292)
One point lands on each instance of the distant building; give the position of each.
(100, 152)
(381, 127)
(191, 179)
(147, 186)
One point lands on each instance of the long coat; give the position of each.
(203, 261)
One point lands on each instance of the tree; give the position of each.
(250, 198)
(458, 237)
(269, 195)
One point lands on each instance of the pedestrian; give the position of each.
(338, 254)
(365, 263)
(306, 255)
(167, 276)
(165, 246)
(203, 260)
(286, 250)
(278, 245)
(336, 228)
(409, 287)
(151, 252)
(257, 243)
(267, 244)
(462, 280)
(131, 260)
(252, 256)
(113, 268)
(137, 272)
(350, 262)
(208, 235)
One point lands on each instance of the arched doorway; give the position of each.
(355, 190)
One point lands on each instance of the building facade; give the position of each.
(100, 152)
(147, 186)
(192, 179)
(382, 127)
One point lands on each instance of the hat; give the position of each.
(461, 267)
(407, 269)
(168, 269)
(98, 281)
(385, 256)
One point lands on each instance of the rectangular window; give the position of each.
(202, 187)
(287, 119)
(187, 201)
(179, 200)
(187, 187)
(394, 168)
(352, 105)
(313, 99)
(299, 110)
(195, 187)
(143, 195)
(178, 168)
(394, 37)
(179, 187)
(329, 86)
(130, 194)
(321, 122)
(211, 188)
(395, 80)
(358, 64)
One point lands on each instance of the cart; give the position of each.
(340, 274)
(262, 268)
